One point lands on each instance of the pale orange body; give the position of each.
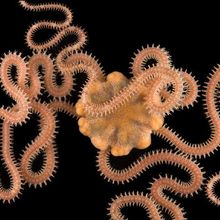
(116, 113)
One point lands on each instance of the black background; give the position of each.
(116, 29)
